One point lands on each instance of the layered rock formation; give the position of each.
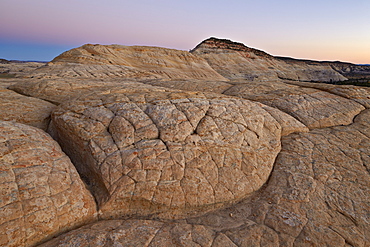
(175, 154)
(314, 108)
(236, 61)
(9, 69)
(99, 61)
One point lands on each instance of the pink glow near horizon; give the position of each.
(321, 30)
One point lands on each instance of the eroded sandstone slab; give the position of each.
(359, 94)
(23, 109)
(41, 192)
(192, 85)
(314, 108)
(63, 89)
(171, 153)
(157, 234)
(318, 193)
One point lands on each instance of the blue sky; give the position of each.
(321, 30)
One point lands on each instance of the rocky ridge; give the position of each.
(236, 61)
(108, 61)
(183, 160)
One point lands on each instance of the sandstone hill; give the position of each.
(221, 146)
(236, 61)
(109, 61)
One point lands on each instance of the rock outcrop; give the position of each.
(172, 153)
(11, 69)
(360, 95)
(314, 108)
(318, 195)
(41, 193)
(163, 150)
(109, 61)
(63, 90)
(141, 233)
(236, 61)
(23, 109)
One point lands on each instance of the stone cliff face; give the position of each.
(180, 158)
(236, 61)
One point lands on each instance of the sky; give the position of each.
(330, 30)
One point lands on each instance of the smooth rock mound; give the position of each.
(111, 61)
(314, 108)
(358, 94)
(41, 192)
(61, 90)
(171, 153)
(23, 109)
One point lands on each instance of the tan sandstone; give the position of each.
(62, 90)
(171, 153)
(158, 234)
(109, 61)
(314, 108)
(23, 109)
(178, 155)
(318, 195)
(41, 192)
(236, 61)
(358, 94)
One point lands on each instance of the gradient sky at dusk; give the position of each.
(314, 29)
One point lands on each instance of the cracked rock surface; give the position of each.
(170, 153)
(360, 95)
(41, 192)
(164, 151)
(314, 108)
(318, 195)
(156, 234)
(23, 109)
(60, 90)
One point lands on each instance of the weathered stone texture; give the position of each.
(23, 109)
(171, 153)
(19, 69)
(318, 193)
(192, 85)
(109, 61)
(41, 192)
(61, 90)
(358, 94)
(178, 155)
(158, 234)
(314, 108)
(236, 61)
